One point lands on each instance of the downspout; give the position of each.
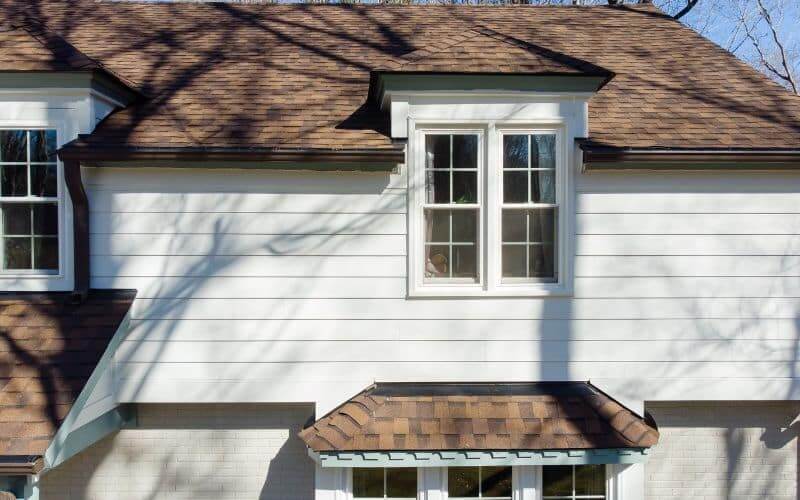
(80, 224)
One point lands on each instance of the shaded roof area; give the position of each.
(296, 76)
(28, 46)
(48, 349)
(486, 416)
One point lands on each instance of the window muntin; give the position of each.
(572, 482)
(374, 482)
(452, 207)
(479, 482)
(29, 210)
(530, 204)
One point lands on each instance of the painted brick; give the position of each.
(723, 451)
(200, 452)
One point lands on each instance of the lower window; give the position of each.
(373, 482)
(573, 482)
(479, 482)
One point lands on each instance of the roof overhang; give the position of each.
(481, 458)
(385, 83)
(278, 159)
(20, 465)
(97, 80)
(597, 157)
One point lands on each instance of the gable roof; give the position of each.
(48, 350)
(479, 416)
(294, 76)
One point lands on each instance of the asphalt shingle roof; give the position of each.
(297, 76)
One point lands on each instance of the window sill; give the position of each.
(498, 291)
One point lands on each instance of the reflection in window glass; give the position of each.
(479, 482)
(385, 483)
(28, 200)
(572, 482)
(530, 210)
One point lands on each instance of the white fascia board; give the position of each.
(480, 458)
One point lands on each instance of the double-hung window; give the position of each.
(487, 210)
(29, 201)
(574, 482)
(376, 483)
(479, 482)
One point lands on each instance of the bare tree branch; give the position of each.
(690, 4)
(787, 75)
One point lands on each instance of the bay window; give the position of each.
(487, 210)
(29, 201)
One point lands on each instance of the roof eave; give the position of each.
(21, 465)
(613, 158)
(215, 157)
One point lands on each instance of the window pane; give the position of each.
(437, 226)
(465, 187)
(462, 482)
(43, 145)
(43, 180)
(514, 261)
(45, 219)
(514, 222)
(465, 261)
(437, 186)
(465, 226)
(437, 261)
(14, 180)
(16, 218)
(544, 151)
(543, 225)
(515, 186)
(543, 186)
(542, 261)
(590, 480)
(45, 253)
(401, 483)
(17, 253)
(368, 483)
(13, 146)
(437, 151)
(557, 480)
(465, 151)
(515, 151)
(496, 481)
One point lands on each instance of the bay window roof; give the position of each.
(480, 416)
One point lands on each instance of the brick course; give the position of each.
(730, 451)
(194, 452)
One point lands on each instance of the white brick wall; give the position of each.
(215, 452)
(724, 451)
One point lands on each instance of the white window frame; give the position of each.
(490, 158)
(446, 487)
(37, 274)
(608, 485)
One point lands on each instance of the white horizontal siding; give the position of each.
(279, 286)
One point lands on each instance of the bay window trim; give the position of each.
(490, 282)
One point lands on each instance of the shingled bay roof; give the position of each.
(496, 416)
(297, 76)
(48, 350)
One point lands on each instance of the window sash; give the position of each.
(30, 199)
(575, 496)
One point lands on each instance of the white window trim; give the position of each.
(33, 275)
(490, 188)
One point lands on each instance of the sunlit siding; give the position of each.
(278, 286)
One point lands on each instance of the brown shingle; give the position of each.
(297, 76)
(45, 360)
(570, 415)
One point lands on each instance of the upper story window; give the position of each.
(487, 211)
(29, 201)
